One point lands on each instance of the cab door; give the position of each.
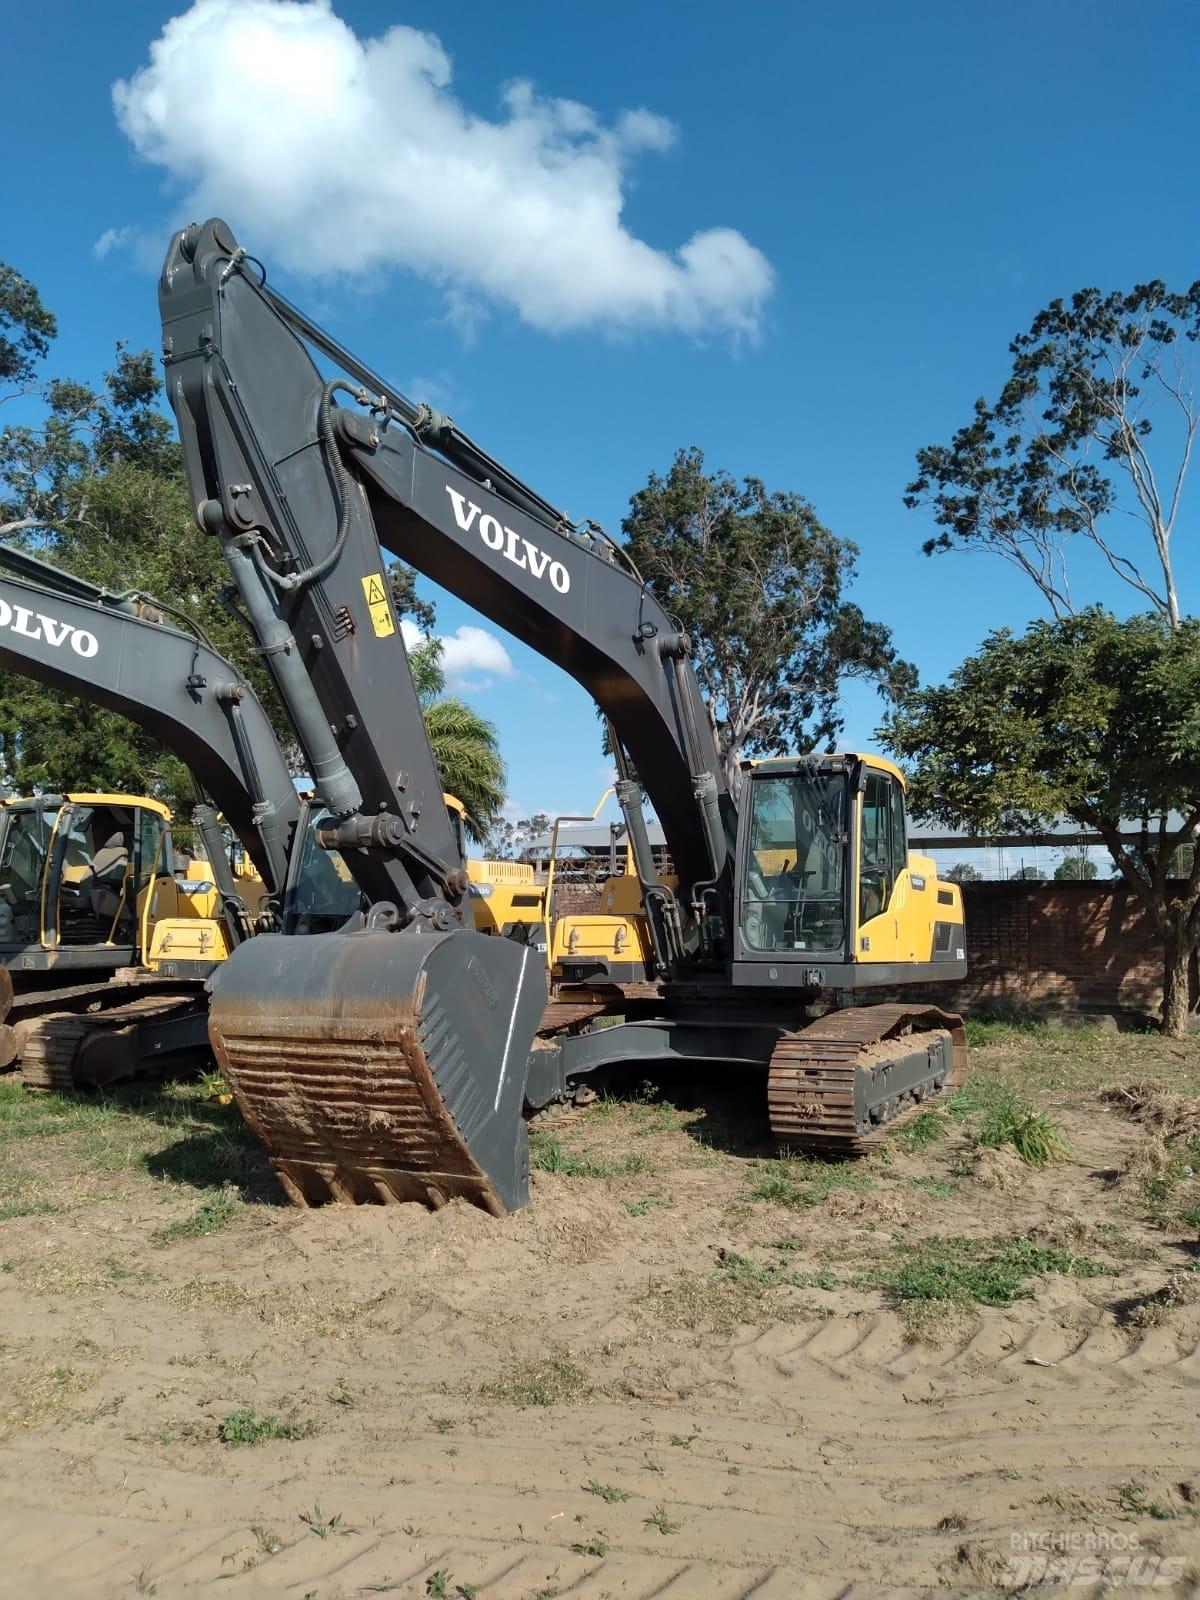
(884, 884)
(154, 876)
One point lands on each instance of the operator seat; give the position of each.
(104, 882)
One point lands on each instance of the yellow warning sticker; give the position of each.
(377, 604)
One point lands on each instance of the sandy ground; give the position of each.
(684, 1371)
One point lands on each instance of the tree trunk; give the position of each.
(1177, 953)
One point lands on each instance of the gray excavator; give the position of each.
(393, 1056)
(100, 975)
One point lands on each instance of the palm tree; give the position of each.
(465, 745)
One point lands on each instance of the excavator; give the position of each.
(106, 944)
(391, 1054)
(107, 933)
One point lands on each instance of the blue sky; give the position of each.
(917, 181)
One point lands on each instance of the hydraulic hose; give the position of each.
(290, 581)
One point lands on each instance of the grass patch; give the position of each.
(985, 1031)
(937, 1188)
(208, 1218)
(800, 1181)
(44, 1394)
(169, 1131)
(30, 1206)
(547, 1382)
(25, 1115)
(248, 1427)
(212, 1215)
(963, 1272)
(1133, 1498)
(739, 1293)
(549, 1154)
(926, 1128)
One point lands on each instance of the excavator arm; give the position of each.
(302, 492)
(76, 636)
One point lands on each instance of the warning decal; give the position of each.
(377, 604)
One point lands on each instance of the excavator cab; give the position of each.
(829, 895)
(84, 878)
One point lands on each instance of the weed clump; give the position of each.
(211, 1216)
(547, 1382)
(1034, 1135)
(248, 1427)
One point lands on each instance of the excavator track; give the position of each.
(836, 1087)
(63, 1050)
(573, 1007)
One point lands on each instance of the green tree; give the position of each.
(1076, 868)
(1098, 417)
(26, 328)
(402, 584)
(758, 583)
(509, 836)
(1085, 717)
(95, 484)
(465, 745)
(963, 872)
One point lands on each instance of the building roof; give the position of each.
(923, 835)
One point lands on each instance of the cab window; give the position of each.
(793, 897)
(150, 852)
(883, 854)
(324, 893)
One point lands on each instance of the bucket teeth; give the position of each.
(378, 1067)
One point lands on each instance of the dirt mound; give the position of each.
(1155, 1107)
(999, 1169)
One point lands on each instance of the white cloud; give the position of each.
(469, 651)
(342, 155)
(471, 656)
(111, 239)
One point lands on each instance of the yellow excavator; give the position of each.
(506, 899)
(597, 955)
(389, 1053)
(101, 928)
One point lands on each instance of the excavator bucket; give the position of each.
(378, 1066)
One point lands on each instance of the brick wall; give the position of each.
(1052, 947)
(1058, 947)
(574, 899)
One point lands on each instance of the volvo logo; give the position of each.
(507, 542)
(37, 625)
